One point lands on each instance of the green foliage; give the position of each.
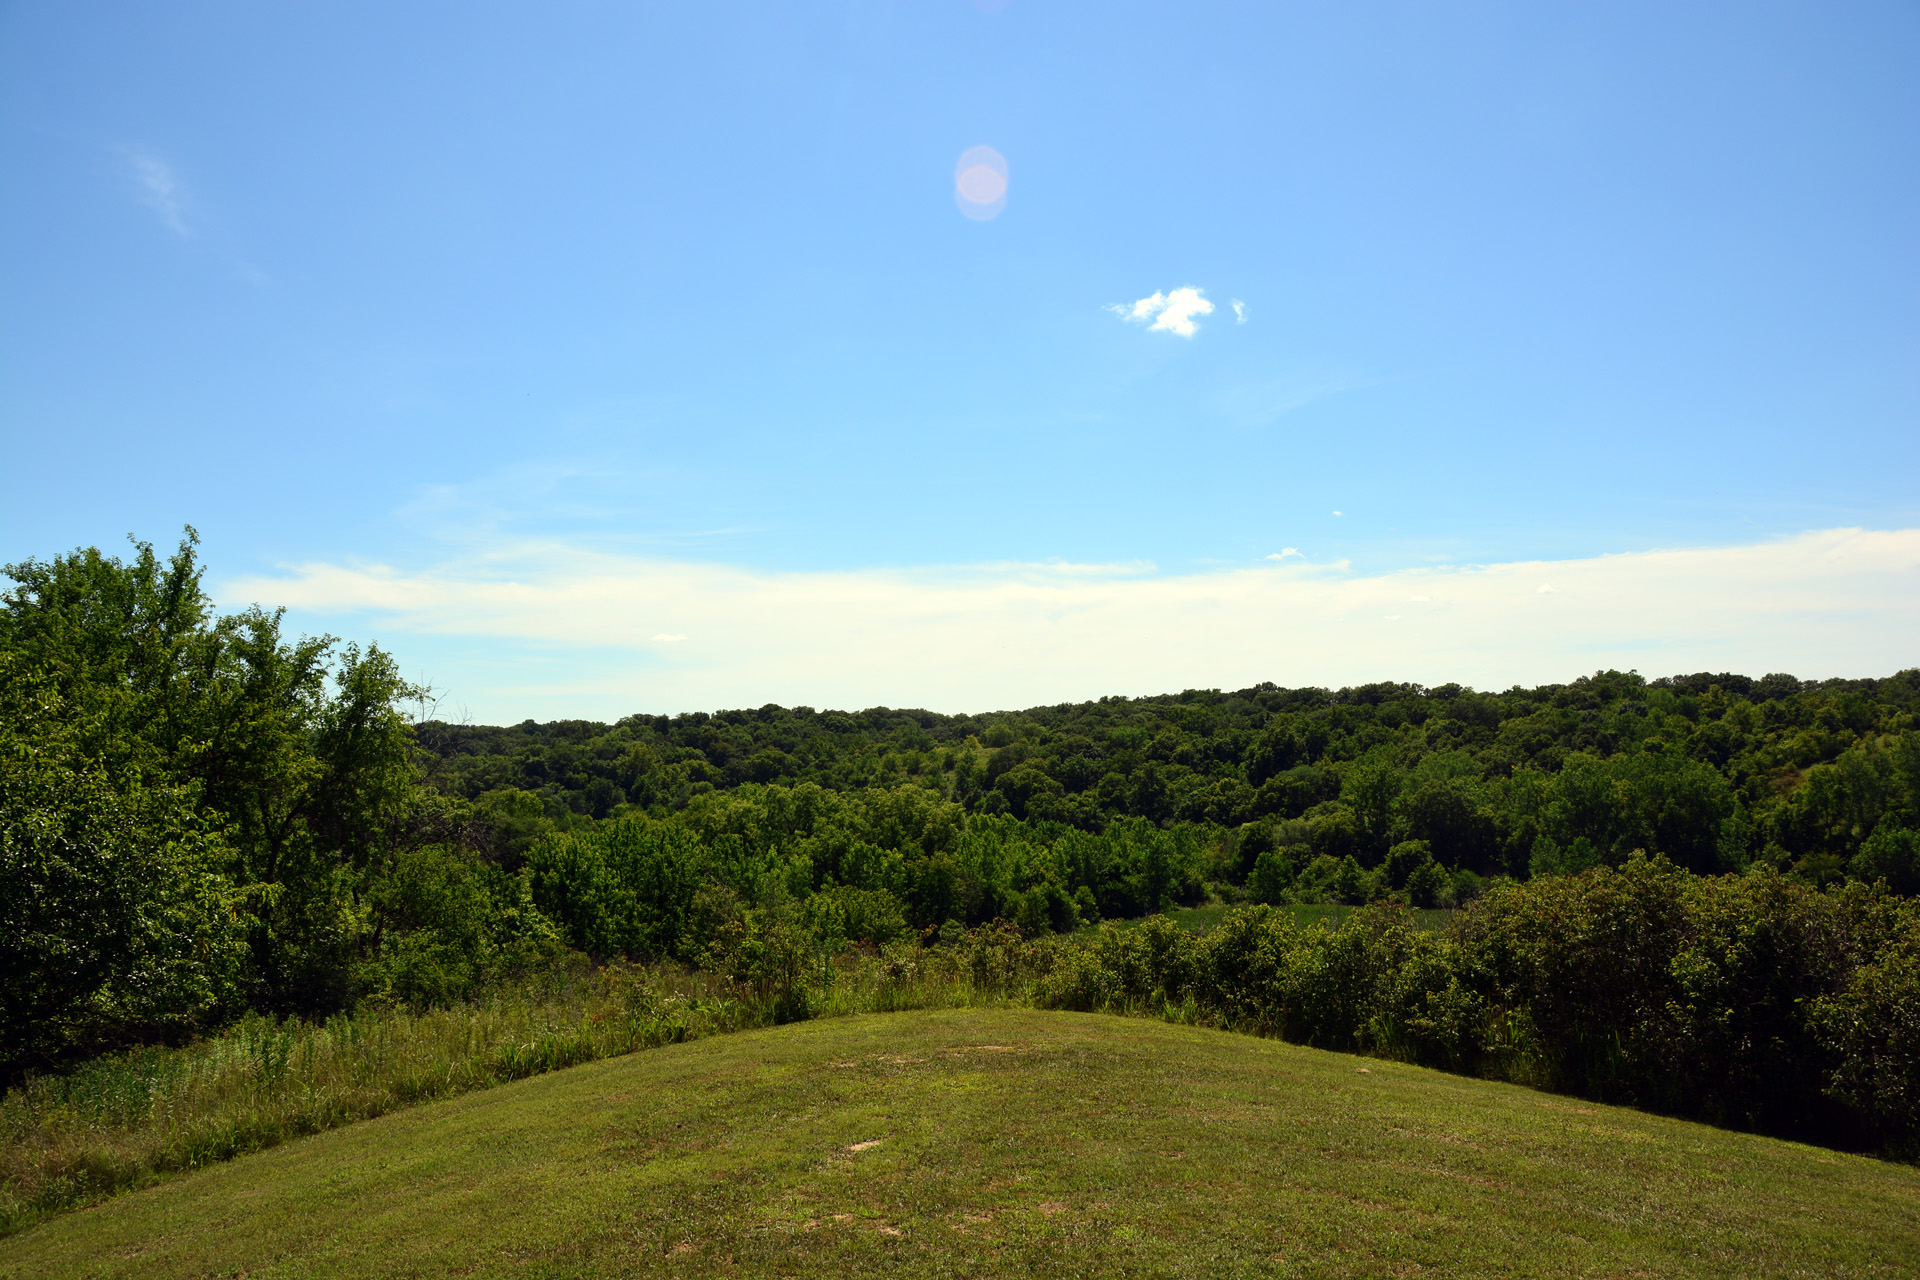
(1272, 878)
(844, 914)
(1712, 771)
(1406, 859)
(1427, 884)
(115, 922)
(202, 817)
(1335, 881)
(445, 924)
(624, 888)
(1890, 855)
(1749, 1000)
(1873, 1025)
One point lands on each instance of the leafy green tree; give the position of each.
(115, 922)
(1891, 854)
(1335, 831)
(1427, 883)
(1873, 1027)
(1679, 807)
(1404, 859)
(1458, 831)
(511, 821)
(1272, 878)
(846, 914)
(295, 752)
(1025, 783)
(1591, 811)
(1369, 790)
(626, 888)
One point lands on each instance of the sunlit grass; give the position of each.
(126, 1120)
(1001, 1142)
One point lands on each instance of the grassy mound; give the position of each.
(1003, 1142)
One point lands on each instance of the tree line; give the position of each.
(1818, 780)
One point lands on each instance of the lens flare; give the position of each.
(980, 183)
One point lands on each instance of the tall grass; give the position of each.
(1201, 919)
(124, 1121)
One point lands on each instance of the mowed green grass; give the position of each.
(998, 1143)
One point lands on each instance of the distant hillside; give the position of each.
(1716, 771)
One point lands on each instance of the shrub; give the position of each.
(1892, 854)
(1872, 1026)
(1750, 1000)
(1735, 999)
(1578, 961)
(845, 914)
(1404, 859)
(1272, 877)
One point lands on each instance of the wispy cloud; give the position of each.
(552, 631)
(1239, 311)
(568, 497)
(1169, 312)
(156, 184)
(161, 190)
(1257, 402)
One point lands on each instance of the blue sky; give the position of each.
(669, 319)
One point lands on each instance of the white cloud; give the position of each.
(1339, 513)
(1239, 311)
(1544, 589)
(550, 631)
(1284, 552)
(1171, 312)
(161, 190)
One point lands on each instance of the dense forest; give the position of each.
(203, 817)
(1820, 780)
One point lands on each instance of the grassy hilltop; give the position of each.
(1003, 1142)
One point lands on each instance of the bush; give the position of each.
(1272, 877)
(845, 914)
(1872, 1025)
(1427, 884)
(1750, 1000)
(1404, 859)
(1892, 854)
(1697, 995)
(1579, 961)
(625, 888)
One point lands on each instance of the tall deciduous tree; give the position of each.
(293, 754)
